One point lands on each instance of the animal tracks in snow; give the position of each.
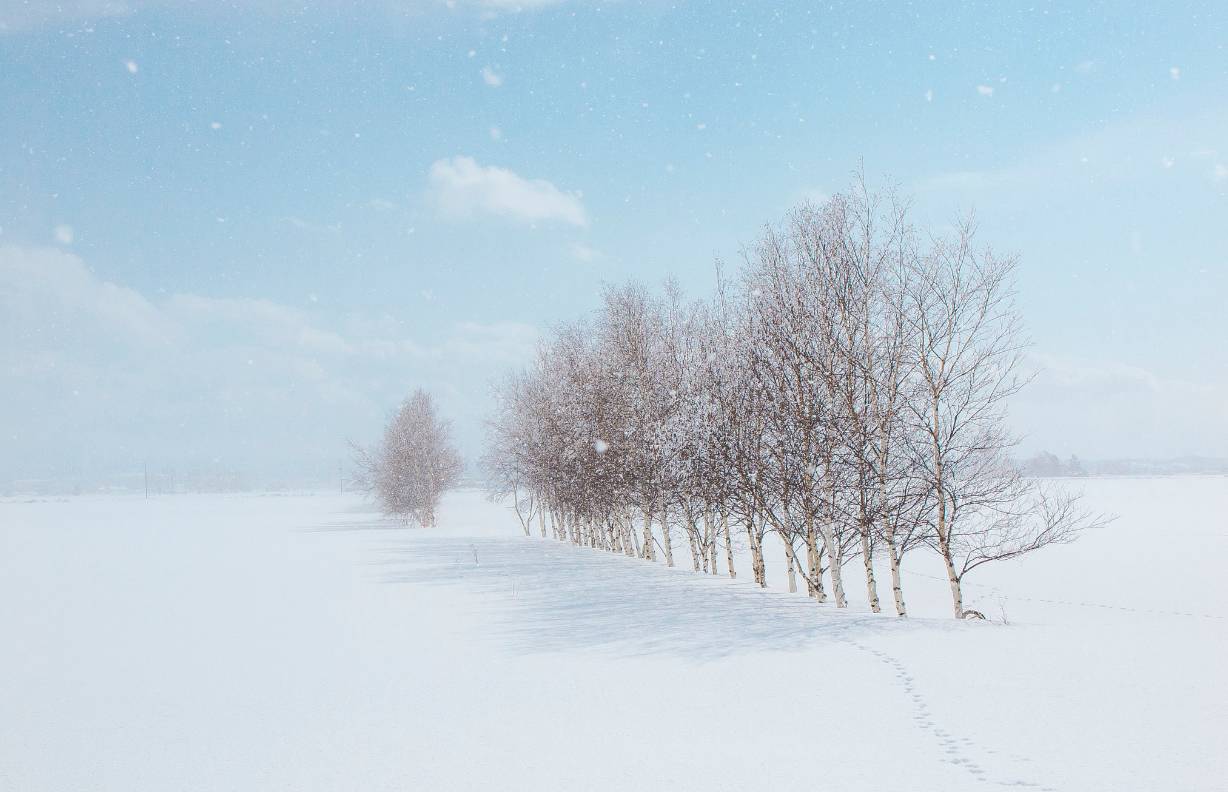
(956, 750)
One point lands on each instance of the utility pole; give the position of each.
(146, 481)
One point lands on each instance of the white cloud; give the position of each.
(460, 187)
(25, 14)
(1111, 409)
(18, 15)
(1115, 153)
(1175, 73)
(517, 5)
(985, 90)
(95, 374)
(491, 77)
(63, 234)
(583, 252)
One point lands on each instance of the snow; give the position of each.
(302, 642)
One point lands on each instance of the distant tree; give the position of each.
(414, 464)
(1043, 465)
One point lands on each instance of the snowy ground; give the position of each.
(301, 643)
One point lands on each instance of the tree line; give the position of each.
(845, 389)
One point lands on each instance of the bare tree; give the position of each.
(968, 342)
(414, 464)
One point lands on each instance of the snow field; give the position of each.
(302, 642)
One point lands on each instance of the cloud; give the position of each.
(491, 77)
(1115, 153)
(17, 15)
(460, 187)
(985, 90)
(1109, 409)
(583, 252)
(25, 14)
(517, 5)
(97, 376)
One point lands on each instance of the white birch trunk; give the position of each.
(790, 560)
(693, 540)
(814, 560)
(868, 558)
(896, 589)
(665, 537)
(833, 565)
(733, 573)
(650, 551)
(703, 543)
(756, 554)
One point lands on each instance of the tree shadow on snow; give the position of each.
(341, 526)
(553, 596)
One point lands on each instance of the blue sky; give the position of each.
(234, 233)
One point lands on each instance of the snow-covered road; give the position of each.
(302, 643)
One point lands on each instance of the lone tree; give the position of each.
(415, 464)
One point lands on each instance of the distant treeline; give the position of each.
(1047, 465)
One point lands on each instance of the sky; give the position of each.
(233, 235)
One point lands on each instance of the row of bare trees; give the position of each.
(846, 391)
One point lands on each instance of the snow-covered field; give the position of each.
(302, 643)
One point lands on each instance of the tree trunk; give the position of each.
(541, 520)
(832, 547)
(790, 560)
(815, 561)
(896, 589)
(756, 554)
(944, 549)
(650, 551)
(867, 556)
(693, 539)
(833, 565)
(669, 545)
(703, 542)
(733, 574)
(957, 593)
